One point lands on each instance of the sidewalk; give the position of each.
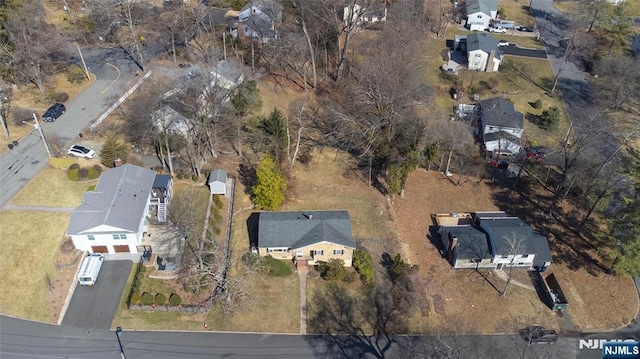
(302, 274)
(503, 275)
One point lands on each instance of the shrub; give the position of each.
(147, 298)
(61, 97)
(75, 74)
(351, 277)
(550, 118)
(98, 168)
(398, 268)
(73, 174)
(493, 82)
(135, 298)
(160, 299)
(180, 175)
(112, 149)
(537, 104)
(218, 202)
(174, 300)
(333, 270)
(83, 172)
(195, 178)
(363, 264)
(217, 231)
(92, 173)
(74, 166)
(276, 267)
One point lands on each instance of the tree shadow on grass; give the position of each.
(355, 326)
(248, 177)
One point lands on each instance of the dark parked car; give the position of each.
(537, 152)
(525, 28)
(53, 112)
(539, 335)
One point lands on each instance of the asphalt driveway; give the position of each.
(94, 307)
(512, 49)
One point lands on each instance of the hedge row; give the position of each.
(77, 173)
(146, 298)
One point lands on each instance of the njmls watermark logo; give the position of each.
(598, 344)
(621, 350)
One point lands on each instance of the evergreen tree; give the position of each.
(269, 191)
(275, 128)
(112, 149)
(625, 236)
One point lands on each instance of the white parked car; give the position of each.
(498, 30)
(81, 151)
(503, 43)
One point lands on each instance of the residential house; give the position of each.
(259, 19)
(307, 237)
(173, 115)
(493, 240)
(480, 13)
(114, 217)
(218, 182)
(483, 52)
(502, 126)
(375, 12)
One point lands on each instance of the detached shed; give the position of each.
(218, 182)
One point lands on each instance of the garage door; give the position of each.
(121, 249)
(99, 249)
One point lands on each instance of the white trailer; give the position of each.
(90, 268)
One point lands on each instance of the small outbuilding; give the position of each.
(218, 182)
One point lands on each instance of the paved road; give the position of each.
(94, 307)
(21, 339)
(21, 164)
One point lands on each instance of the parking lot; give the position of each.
(94, 307)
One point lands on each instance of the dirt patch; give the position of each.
(67, 260)
(456, 293)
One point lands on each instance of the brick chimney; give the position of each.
(117, 162)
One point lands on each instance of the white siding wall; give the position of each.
(478, 21)
(83, 243)
(477, 60)
(502, 146)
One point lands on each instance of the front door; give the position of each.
(299, 253)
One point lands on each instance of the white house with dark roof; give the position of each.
(258, 19)
(114, 216)
(502, 126)
(480, 13)
(483, 52)
(373, 13)
(306, 237)
(495, 240)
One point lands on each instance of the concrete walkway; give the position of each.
(302, 274)
(19, 207)
(504, 276)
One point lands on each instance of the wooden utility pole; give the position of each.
(84, 64)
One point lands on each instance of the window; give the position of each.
(525, 256)
(505, 257)
(119, 236)
(475, 260)
(480, 16)
(318, 252)
(277, 250)
(91, 237)
(338, 252)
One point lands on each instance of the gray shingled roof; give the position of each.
(500, 112)
(472, 242)
(483, 6)
(503, 229)
(227, 70)
(217, 175)
(484, 42)
(118, 201)
(299, 229)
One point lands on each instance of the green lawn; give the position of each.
(51, 187)
(28, 243)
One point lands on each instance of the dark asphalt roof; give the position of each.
(509, 232)
(299, 229)
(472, 242)
(118, 201)
(161, 181)
(500, 112)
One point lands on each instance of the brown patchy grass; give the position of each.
(52, 187)
(29, 241)
(517, 11)
(331, 182)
